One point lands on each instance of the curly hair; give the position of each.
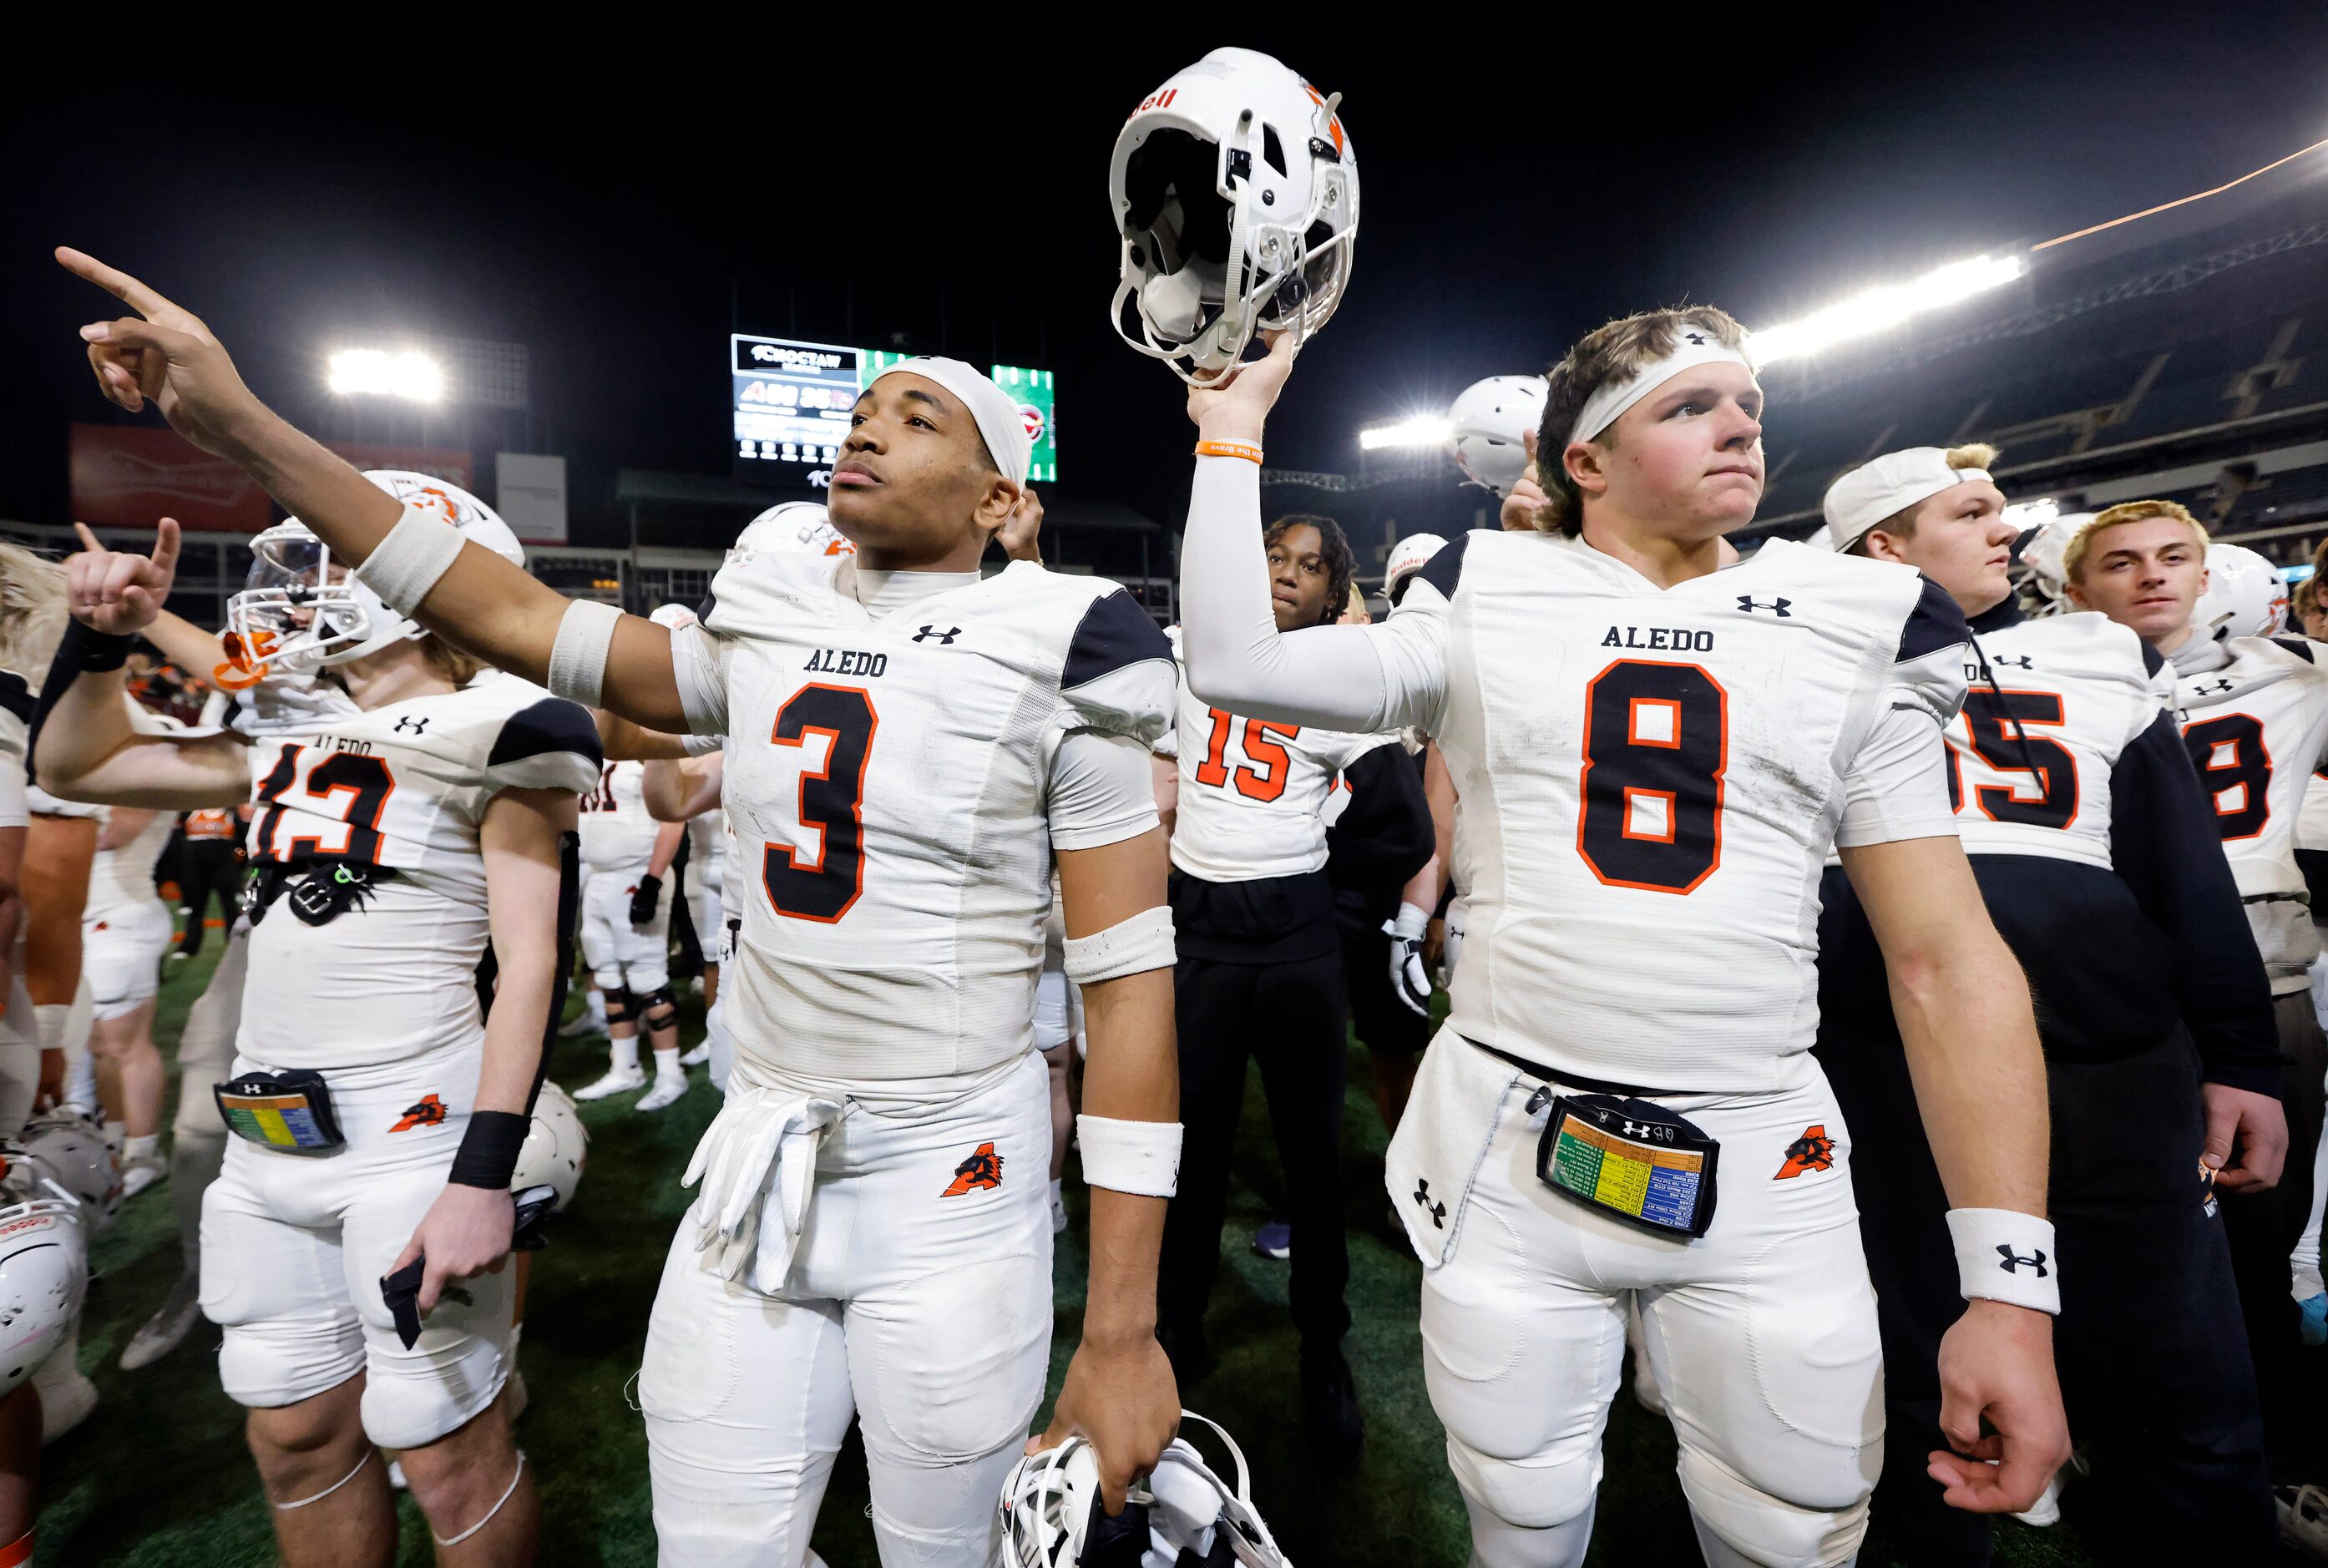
(1341, 564)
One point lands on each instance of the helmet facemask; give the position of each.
(299, 610)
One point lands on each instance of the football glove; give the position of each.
(643, 899)
(1408, 976)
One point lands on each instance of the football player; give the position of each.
(1260, 979)
(2098, 858)
(1652, 761)
(126, 930)
(353, 1245)
(910, 748)
(2255, 720)
(626, 933)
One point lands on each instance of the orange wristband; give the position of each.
(1248, 450)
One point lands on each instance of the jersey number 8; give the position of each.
(1656, 742)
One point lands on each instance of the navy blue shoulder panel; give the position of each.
(552, 724)
(16, 695)
(1933, 624)
(2299, 646)
(1114, 634)
(2153, 661)
(1441, 570)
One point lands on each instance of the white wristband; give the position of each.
(2005, 1256)
(1133, 945)
(420, 548)
(577, 659)
(1409, 923)
(1141, 1158)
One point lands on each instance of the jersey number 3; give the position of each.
(1656, 742)
(823, 887)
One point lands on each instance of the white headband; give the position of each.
(995, 411)
(1889, 484)
(1693, 346)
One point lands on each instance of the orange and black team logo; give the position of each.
(983, 1168)
(429, 1113)
(1814, 1150)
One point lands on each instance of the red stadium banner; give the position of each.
(127, 475)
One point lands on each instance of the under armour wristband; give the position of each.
(1141, 1158)
(489, 1150)
(1409, 923)
(2005, 1256)
(578, 659)
(403, 567)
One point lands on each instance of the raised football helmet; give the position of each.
(1408, 557)
(63, 1155)
(43, 1274)
(554, 1147)
(299, 610)
(799, 526)
(2244, 596)
(2036, 571)
(1490, 421)
(1235, 192)
(1183, 1512)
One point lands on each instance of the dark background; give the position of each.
(619, 207)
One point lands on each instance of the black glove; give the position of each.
(643, 899)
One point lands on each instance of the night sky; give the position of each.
(621, 208)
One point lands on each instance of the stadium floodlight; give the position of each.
(1879, 309)
(401, 373)
(1422, 431)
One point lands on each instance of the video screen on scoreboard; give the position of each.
(792, 400)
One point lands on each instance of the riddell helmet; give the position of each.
(799, 526)
(2244, 596)
(1490, 421)
(1052, 1516)
(554, 1146)
(1235, 191)
(43, 1274)
(1408, 557)
(61, 1155)
(292, 574)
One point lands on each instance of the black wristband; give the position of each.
(84, 647)
(489, 1150)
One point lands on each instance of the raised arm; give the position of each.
(490, 606)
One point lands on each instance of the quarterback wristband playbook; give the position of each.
(578, 659)
(2005, 1256)
(1133, 946)
(1631, 1159)
(489, 1150)
(290, 1112)
(1141, 1158)
(404, 566)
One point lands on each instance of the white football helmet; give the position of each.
(2036, 571)
(552, 1153)
(799, 526)
(298, 611)
(63, 1155)
(1236, 193)
(1490, 421)
(43, 1275)
(2244, 596)
(1407, 556)
(1051, 1508)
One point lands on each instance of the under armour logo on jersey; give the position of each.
(2212, 686)
(2014, 1262)
(1814, 1150)
(411, 725)
(2022, 663)
(429, 1113)
(1422, 1197)
(983, 1168)
(948, 635)
(1777, 606)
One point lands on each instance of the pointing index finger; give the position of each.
(145, 301)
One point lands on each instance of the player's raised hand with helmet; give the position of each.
(1235, 409)
(1528, 497)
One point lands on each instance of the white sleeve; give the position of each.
(14, 812)
(1102, 790)
(698, 663)
(1897, 787)
(1335, 677)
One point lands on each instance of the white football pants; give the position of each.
(121, 951)
(619, 953)
(918, 1299)
(1761, 1332)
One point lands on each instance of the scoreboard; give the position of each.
(793, 401)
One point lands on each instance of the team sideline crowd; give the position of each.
(1881, 996)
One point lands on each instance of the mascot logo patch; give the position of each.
(429, 1113)
(983, 1168)
(1814, 1150)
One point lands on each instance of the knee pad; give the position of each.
(1762, 1529)
(662, 1006)
(1535, 1493)
(622, 1005)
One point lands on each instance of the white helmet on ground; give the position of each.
(800, 526)
(43, 1275)
(63, 1156)
(1052, 1513)
(1236, 193)
(551, 1155)
(1490, 421)
(1408, 557)
(2244, 596)
(292, 574)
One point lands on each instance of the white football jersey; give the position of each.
(617, 834)
(1650, 780)
(707, 848)
(890, 785)
(282, 702)
(2312, 819)
(15, 721)
(122, 880)
(402, 787)
(2254, 712)
(2044, 722)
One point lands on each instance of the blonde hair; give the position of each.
(1614, 352)
(2081, 543)
(457, 666)
(1901, 525)
(32, 609)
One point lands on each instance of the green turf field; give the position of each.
(158, 1477)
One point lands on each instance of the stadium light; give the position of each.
(412, 376)
(1878, 309)
(1416, 432)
